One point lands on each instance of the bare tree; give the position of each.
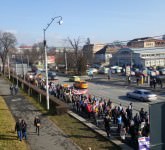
(36, 54)
(7, 43)
(79, 60)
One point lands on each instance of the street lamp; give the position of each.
(46, 59)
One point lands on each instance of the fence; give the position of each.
(56, 106)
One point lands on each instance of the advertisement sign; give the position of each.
(51, 59)
(144, 143)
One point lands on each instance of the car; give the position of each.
(74, 78)
(142, 95)
(80, 85)
(162, 71)
(92, 71)
(103, 70)
(51, 75)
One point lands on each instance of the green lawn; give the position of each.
(8, 136)
(78, 132)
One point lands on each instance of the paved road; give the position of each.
(51, 137)
(116, 90)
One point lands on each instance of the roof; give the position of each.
(145, 50)
(149, 50)
(108, 49)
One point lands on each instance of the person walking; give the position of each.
(24, 129)
(154, 83)
(37, 124)
(107, 125)
(15, 89)
(109, 74)
(12, 89)
(18, 128)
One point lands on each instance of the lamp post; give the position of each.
(66, 64)
(46, 59)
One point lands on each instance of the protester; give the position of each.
(107, 125)
(122, 133)
(37, 124)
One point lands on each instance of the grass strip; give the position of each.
(77, 131)
(8, 136)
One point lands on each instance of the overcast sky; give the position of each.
(103, 21)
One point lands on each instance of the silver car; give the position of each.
(142, 95)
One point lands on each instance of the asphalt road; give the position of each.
(116, 90)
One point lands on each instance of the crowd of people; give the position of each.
(21, 128)
(92, 107)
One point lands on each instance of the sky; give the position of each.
(102, 21)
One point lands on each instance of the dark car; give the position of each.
(51, 75)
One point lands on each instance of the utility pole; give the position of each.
(66, 63)
(8, 64)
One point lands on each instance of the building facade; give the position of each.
(139, 57)
(145, 43)
(90, 50)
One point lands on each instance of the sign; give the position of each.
(51, 59)
(80, 91)
(144, 143)
(128, 70)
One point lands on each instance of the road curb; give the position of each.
(99, 131)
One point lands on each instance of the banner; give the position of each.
(51, 59)
(144, 143)
(79, 91)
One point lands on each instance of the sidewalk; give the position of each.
(51, 137)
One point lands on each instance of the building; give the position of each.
(90, 50)
(105, 54)
(145, 42)
(139, 57)
(23, 48)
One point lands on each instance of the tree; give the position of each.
(7, 43)
(79, 60)
(36, 54)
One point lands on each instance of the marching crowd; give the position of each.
(91, 107)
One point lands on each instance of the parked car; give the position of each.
(74, 78)
(142, 95)
(80, 85)
(103, 70)
(116, 69)
(92, 71)
(51, 75)
(162, 71)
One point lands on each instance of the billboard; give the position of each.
(51, 59)
(157, 126)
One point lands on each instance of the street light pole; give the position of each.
(46, 59)
(66, 64)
